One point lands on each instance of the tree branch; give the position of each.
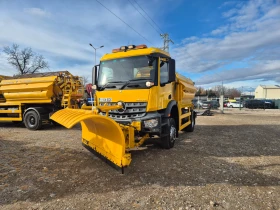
(25, 61)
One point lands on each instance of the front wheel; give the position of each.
(168, 140)
(32, 120)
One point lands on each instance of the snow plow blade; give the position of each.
(100, 133)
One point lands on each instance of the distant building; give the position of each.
(267, 92)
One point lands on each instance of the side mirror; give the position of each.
(150, 60)
(94, 74)
(171, 71)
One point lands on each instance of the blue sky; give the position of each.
(237, 42)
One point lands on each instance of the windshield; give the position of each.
(140, 68)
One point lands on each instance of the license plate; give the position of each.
(105, 99)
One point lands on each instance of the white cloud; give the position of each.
(6, 69)
(64, 36)
(277, 79)
(190, 39)
(230, 13)
(227, 3)
(77, 69)
(41, 39)
(37, 12)
(251, 35)
(263, 71)
(220, 30)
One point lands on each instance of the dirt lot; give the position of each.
(230, 161)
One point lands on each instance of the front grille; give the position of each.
(133, 110)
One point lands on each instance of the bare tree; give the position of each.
(220, 90)
(25, 61)
(233, 92)
(230, 92)
(85, 80)
(200, 91)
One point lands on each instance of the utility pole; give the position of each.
(240, 97)
(91, 93)
(166, 41)
(222, 99)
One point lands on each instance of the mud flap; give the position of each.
(100, 133)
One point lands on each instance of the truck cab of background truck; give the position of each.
(143, 81)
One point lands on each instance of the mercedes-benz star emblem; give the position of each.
(122, 110)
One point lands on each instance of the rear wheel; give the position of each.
(231, 106)
(32, 120)
(169, 138)
(190, 128)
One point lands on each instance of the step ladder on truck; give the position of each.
(137, 96)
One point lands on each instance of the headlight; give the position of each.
(151, 123)
(149, 84)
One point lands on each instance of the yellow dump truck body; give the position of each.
(40, 88)
(140, 92)
(29, 90)
(2, 77)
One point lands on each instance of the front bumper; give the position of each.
(144, 129)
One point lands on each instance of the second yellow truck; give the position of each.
(138, 96)
(33, 98)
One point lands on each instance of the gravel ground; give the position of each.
(230, 161)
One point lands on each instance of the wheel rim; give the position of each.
(172, 134)
(32, 121)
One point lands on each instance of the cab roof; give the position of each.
(135, 52)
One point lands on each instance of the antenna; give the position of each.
(166, 41)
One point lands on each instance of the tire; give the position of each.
(168, 140)
(231, 106)
(32, 120)
(190, 128)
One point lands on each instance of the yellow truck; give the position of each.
(138, 96)
(33, 98)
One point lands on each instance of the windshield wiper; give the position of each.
(106, 86)
(116, 81)
(108, 83)
(127, 83)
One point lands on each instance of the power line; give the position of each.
(144, 17)
(148, 16)
(124, 22)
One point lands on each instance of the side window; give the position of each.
(163, 72)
